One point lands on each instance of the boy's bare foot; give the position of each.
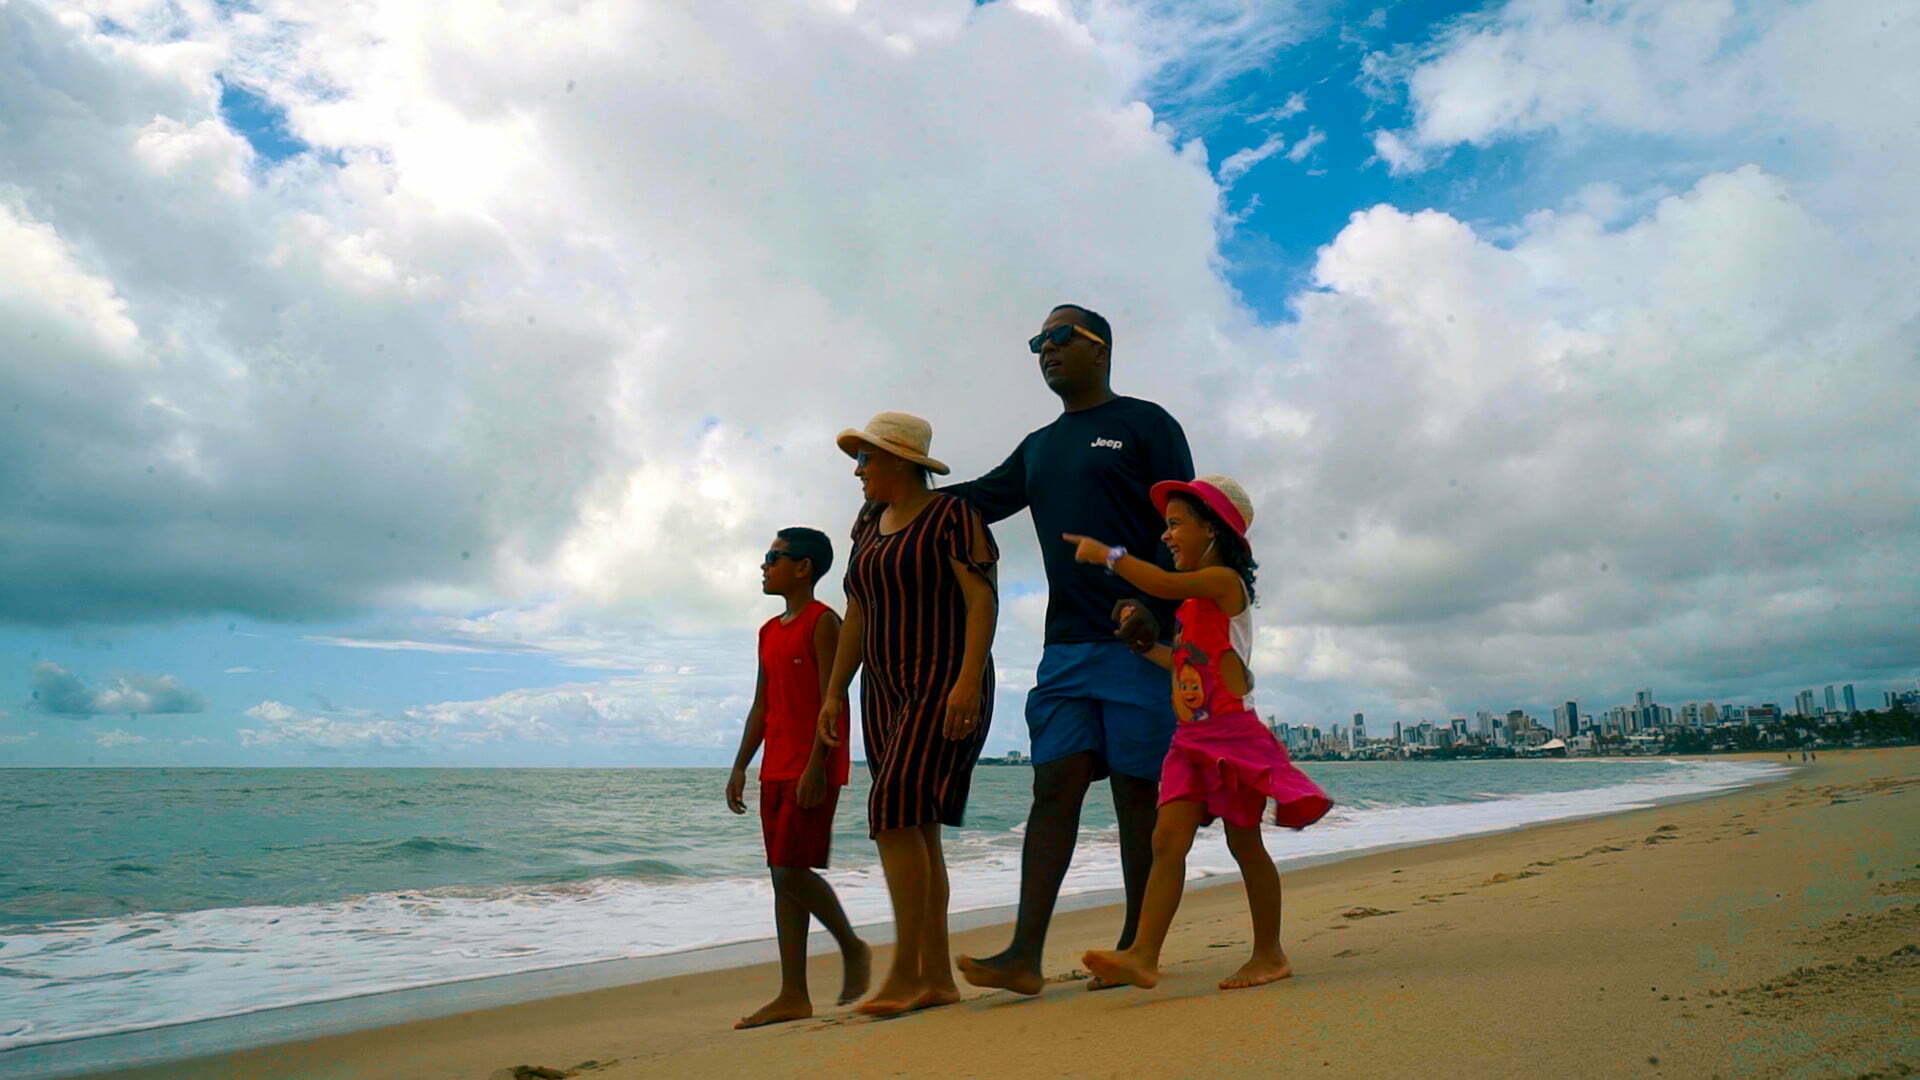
(1121, 968)
(1259, 971)
(996, 974)
(778, 1011)
(858, 972)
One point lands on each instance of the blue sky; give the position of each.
(516, 277)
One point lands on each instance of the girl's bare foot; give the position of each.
(778, 1011)
(1121, 967)
(1263, 968)
(858, 972)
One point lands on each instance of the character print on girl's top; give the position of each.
(1189, 691)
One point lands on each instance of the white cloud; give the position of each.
(1400, 156)
(1295, 104)
(57, 690)
(1308, 142)
(15, 738)
(400, 645)
(1591, 452)
(240, 670)
(1238, 163)
(114, 738)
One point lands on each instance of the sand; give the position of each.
(1770, 932)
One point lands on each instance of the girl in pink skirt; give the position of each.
(1224, 763)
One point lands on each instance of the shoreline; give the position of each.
(174, 1045)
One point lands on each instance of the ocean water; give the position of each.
(134, 898)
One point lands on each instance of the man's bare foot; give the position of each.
(1259, 971)
(778, 1011)
(858, 971)
(1121, 968)
(995, 974)
(937, 996)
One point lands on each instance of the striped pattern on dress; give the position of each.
(914, 640)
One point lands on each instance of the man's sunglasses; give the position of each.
(772, 557)
(1060, 335)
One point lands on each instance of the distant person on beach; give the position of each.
(921, 606)
(1224, 762)
(801, 774)
(1097, 710)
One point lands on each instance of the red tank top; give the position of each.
(793, 698)
(1204, 633)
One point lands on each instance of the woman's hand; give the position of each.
(963, 709)
(1086, 549)
(833, 714)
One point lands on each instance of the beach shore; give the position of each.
(1773, 931)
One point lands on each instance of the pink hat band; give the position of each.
(1220, 502)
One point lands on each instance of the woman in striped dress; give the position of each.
(920, 619)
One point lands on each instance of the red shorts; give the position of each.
(796, 836)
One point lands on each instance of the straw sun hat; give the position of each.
(903, 435)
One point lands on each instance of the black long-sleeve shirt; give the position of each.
(1088, 472)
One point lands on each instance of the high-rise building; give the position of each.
(1396, 731)
(1846, 693)
(1709, 715)
(1566, 720)
(1359, 728)
(1803, 703)
(1832, 705)
(1486, 723)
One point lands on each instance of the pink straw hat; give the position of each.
(1222, 494)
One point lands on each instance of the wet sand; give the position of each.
(1774, 931)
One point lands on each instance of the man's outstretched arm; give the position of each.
(1002, 492)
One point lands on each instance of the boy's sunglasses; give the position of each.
(1060, 335)
(772, 557)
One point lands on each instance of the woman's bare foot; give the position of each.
(891, 999)
(934, 997)
(1260, 970)
(778, 1011)
(858, 971)
(1121, 968)
(995, 973)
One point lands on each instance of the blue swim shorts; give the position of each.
(1100, 696)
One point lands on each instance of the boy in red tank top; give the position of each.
(800, 776)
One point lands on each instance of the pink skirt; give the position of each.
(1232, 765)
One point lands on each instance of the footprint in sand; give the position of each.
(1364, 913)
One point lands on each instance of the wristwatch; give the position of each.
(1114, 555)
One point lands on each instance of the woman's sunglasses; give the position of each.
(1060, 335)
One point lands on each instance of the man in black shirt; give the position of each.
(1097, 709)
